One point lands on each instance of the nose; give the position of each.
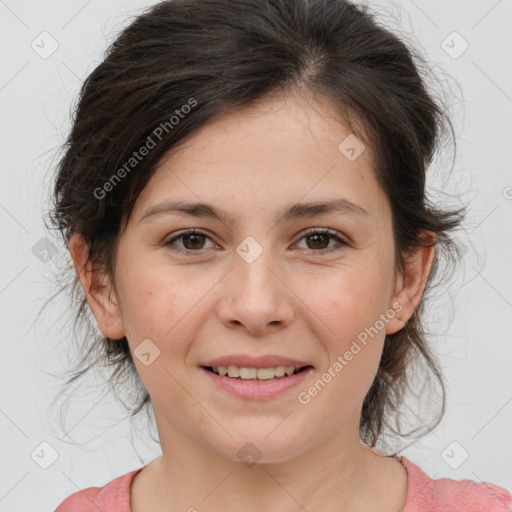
(255, 297)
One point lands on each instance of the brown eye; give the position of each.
(192, 240)
(318, 240)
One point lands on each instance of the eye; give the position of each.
(318, 240)
(193, 241)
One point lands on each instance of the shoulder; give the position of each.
(442, 494)
(113, 496)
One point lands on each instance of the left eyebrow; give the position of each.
(290, 212)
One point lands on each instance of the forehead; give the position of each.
(262, 156)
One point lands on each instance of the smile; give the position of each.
(246, 373)
(255, 383)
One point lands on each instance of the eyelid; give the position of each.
(324, 231)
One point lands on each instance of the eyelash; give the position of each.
(309, 232)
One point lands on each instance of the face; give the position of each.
(256, 281)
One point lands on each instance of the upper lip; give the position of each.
(247, 361)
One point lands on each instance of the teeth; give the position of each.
(247, 373)
(254, 373)
(233, 371)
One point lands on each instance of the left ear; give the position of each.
(411, 283)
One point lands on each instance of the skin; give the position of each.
(291, 300)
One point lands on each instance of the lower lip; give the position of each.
(257, 389)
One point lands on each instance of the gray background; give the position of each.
(37, 92)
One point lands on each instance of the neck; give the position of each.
(338, 473)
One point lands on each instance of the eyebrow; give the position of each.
(294, 211)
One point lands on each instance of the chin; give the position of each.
(261, 448)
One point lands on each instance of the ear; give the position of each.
(411, 283)
(99, 291)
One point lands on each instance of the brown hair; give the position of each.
(215, 56)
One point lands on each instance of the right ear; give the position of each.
(100, 293)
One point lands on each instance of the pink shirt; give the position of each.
(423, 495)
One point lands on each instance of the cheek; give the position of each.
(352, 299)
(349, 307)
(353, 346)
(154, 300)
(166, 307)
(358, 335)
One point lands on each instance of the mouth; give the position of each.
(256, 374)
(260, 384)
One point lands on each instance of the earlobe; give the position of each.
(99, 291)
(411, 284)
